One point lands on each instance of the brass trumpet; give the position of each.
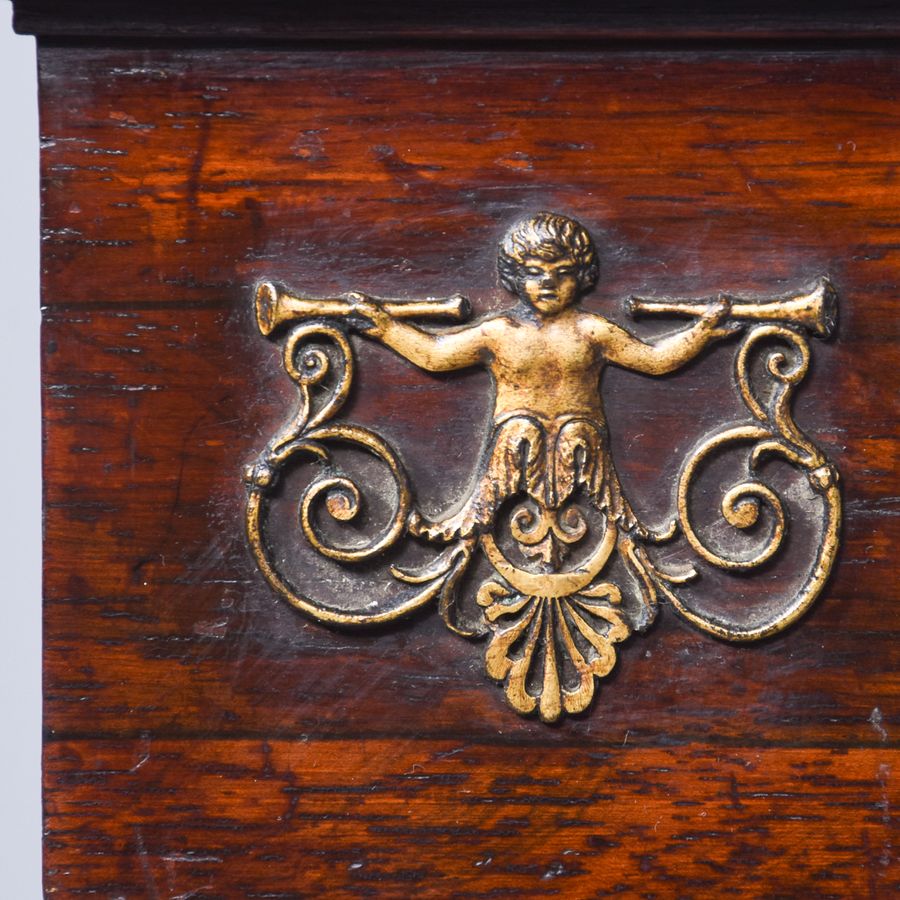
(275, 307)
(815, 309)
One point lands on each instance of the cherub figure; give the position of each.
(545, 356)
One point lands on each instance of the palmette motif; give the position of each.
(563, 644)
(546, 508)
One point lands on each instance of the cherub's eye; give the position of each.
(533, 272)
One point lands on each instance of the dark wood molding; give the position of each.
(461, 20)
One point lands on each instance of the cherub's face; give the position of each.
(549, 286)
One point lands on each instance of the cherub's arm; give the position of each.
(623, 349)
(432, 352)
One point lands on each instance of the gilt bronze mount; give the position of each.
(551, 607)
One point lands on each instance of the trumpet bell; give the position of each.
(267, 307)
(815, 310)
(826, 316)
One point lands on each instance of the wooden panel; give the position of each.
(171, 178)
(305, 818)
(152, 413)
(204, 737)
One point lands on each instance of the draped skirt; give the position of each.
(548, 461)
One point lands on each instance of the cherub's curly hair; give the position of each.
(547, 236)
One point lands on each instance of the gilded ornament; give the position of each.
(552, 610)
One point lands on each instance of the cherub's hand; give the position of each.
(715, 320)
(363, 305)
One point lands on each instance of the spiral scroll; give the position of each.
(310, 434)
(777, 434)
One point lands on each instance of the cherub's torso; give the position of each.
(546, 368)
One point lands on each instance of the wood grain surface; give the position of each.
(452, 819)
(205, 740)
